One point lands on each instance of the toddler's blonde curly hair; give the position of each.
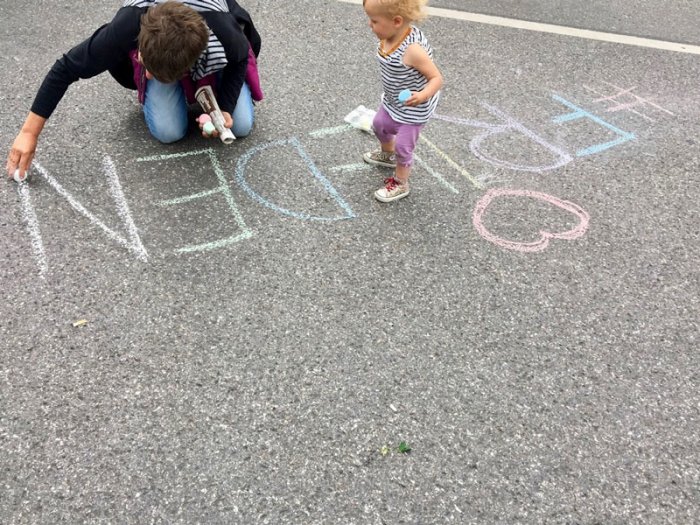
(411, 10)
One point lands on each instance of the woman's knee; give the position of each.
(165, 111)
(243, 125)
(167, 134)
(243, 115)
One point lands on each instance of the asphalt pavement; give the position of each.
(202, 333)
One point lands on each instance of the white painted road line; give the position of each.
(558, 30)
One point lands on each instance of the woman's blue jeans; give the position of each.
(165, 111)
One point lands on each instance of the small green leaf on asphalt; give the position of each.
(404, 448)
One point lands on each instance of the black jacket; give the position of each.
(109, 47)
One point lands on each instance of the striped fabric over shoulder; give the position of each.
(197, 5)
(396, 77)
(213, 58)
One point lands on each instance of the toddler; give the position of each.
(406, 65)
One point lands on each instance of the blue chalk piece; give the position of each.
(404, 95)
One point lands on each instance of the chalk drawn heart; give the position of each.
(545, 236)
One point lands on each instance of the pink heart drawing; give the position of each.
(545, 236)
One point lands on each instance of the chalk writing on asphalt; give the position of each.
(625, 99)
(480, 137)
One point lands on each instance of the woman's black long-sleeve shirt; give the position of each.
(109, 47)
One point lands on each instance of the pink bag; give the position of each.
(252, 78)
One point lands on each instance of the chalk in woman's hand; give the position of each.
(404, 95)
(18, 177)
(203, 118)
(208, 128)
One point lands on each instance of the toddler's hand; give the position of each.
(415, 99)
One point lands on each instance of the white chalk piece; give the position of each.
(404, 95)
(208, 128)
(18, 177)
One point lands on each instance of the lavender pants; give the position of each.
(405, 136)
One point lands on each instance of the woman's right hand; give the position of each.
(23, 148)
(21, 154)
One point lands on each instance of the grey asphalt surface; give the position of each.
(257, 354)
(672, 21)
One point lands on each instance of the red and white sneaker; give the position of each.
(393, 190)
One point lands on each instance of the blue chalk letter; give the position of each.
(579, 113)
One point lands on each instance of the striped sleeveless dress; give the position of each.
(396, 76)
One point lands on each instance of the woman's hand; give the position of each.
(23, 148)
(228, 122)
